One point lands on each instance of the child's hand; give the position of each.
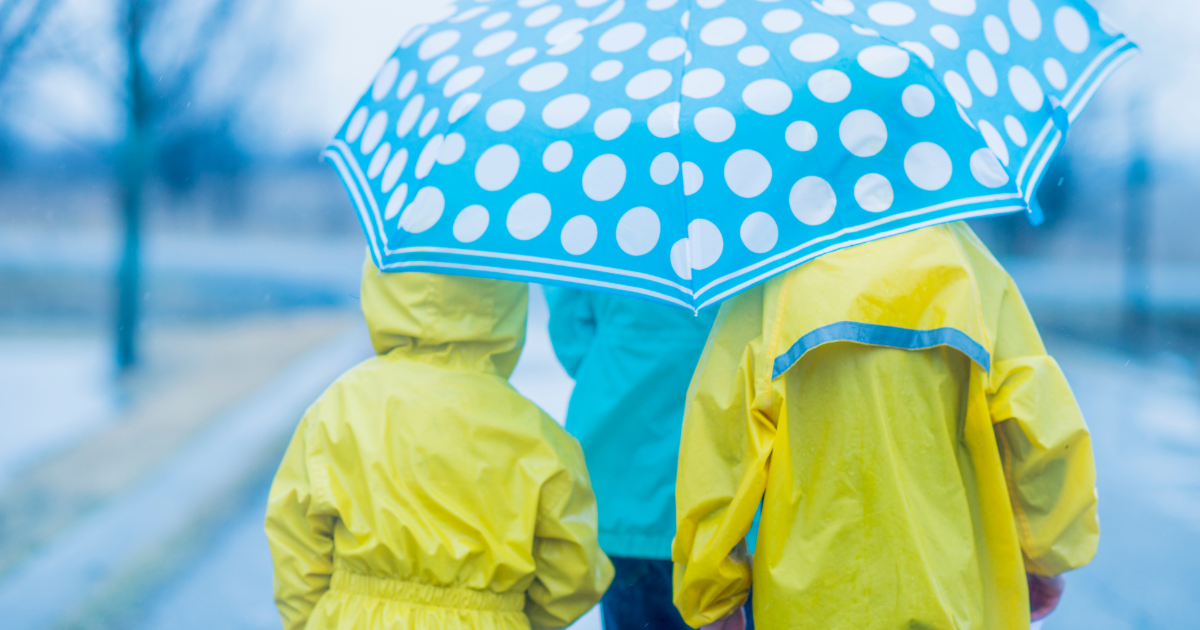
(1044, 594)
(735, 621)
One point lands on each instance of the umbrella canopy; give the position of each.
(684, 150)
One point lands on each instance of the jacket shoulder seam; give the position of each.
(975, 294)
(776, 332)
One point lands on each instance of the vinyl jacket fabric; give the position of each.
(632, 361)
(914, 448)
(421, 491)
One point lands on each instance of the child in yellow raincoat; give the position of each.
(919, 458)
(421, 491)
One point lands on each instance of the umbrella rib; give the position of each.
(1032, 154)
(336, 159)
(1099, 81)
(1042, 163)
(1093, 84)
(687, 213)
(362, 182)
(1091, 68)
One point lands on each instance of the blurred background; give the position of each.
(179, 280)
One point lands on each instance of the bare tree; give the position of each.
(158, 90)
(1136, 318)
(24, 25)
(139, 114)
(151, 107)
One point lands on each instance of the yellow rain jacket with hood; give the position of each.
(914, 448)
(421, 491)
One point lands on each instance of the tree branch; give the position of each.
(24, 34)
(184, 77)
(257, 61)
(6, 10)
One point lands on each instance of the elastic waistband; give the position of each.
(425, 594)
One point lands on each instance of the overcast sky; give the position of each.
(336, 47)
(1167, 72)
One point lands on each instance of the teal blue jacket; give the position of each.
(632, 361)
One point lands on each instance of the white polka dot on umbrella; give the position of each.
(682, 151)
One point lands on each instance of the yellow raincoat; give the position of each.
(914, 448)
(421, 491)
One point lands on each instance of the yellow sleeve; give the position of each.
(572, 571)
(723, 458)
(1045, 447)
(301, 538)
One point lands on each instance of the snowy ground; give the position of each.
(54, 392)
(1145, 422)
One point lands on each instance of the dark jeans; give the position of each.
(640, 597)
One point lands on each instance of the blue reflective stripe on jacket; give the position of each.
(888, 336)
(632, 361)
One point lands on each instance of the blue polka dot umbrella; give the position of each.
(684, 150)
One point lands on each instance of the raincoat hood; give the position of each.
(450, 320)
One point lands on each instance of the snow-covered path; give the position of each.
(55, 392)
(1145, 424)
